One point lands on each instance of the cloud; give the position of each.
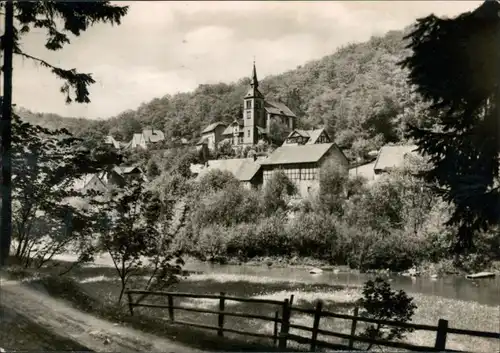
(166, 47)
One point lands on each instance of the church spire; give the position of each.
(255, 81)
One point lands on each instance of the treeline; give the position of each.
(359, 94)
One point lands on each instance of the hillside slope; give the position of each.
(359, 93)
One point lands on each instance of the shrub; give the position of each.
(380, 302)
(211, 243)
(266, 238)
(312, 235)
(227, 207)
(216, 180)
(275, 192)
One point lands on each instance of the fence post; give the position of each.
(170, 307)
(220, 332)
(317, 316)
(285, 324)
(442, 330)
(291, 300)
(353, 328)
(275, 332)
(130, 304)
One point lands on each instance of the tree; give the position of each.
(278, 131)
(75, 18)
(152, 169)
(133, 225)
(217, 180)
(455, 67)
(275, 192)
(382, 303)
(46, 165)
(332, 182)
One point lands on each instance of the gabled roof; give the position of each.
(151, 135)
(313, 135)
(392, 156)
(110, 140)
(279, 109)
(243, 169)
(212, 127)
(229, 130)
(137, 140)
(291, 154)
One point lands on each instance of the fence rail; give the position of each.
(282, 322)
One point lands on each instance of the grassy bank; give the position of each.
(93, 290)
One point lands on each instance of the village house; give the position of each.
(145, 139)
(389, 158)
(307, 137)
(302, 164)
(246, 170)
(255, 123)
(110, 140)
(212, 135)
(104, 181)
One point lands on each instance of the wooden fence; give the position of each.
(282, 324)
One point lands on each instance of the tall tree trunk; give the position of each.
(6, 212)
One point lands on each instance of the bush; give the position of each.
(381, 302)
(275, 192)
(266, 238)
(227, 207)
(216, 180)
(211, 243)
(312, 235)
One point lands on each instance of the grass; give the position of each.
(20, 334)
(95, 291)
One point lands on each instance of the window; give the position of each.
(257, 104)
(248, 133)
(249, 114)
(249, 104)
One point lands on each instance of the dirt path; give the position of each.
(94, 333)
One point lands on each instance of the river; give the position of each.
(484, 291)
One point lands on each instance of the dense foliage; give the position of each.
(395, 224)
(455, 66)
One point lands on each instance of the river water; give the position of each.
(484, 291)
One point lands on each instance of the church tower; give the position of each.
(253, 111)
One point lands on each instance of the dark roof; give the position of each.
(212, 127)
(289, 154)
(392, 156)
(243, 169)
(279, 109)
(313, 135)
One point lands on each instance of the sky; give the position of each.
(168, 47)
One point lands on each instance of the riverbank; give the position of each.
(95, 290)
(442, 268)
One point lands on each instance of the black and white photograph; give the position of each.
(250, 176)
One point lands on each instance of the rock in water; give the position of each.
(315, 271)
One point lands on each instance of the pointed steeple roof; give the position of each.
(254, 84)
(255, 81)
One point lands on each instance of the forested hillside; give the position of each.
(358, 93)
